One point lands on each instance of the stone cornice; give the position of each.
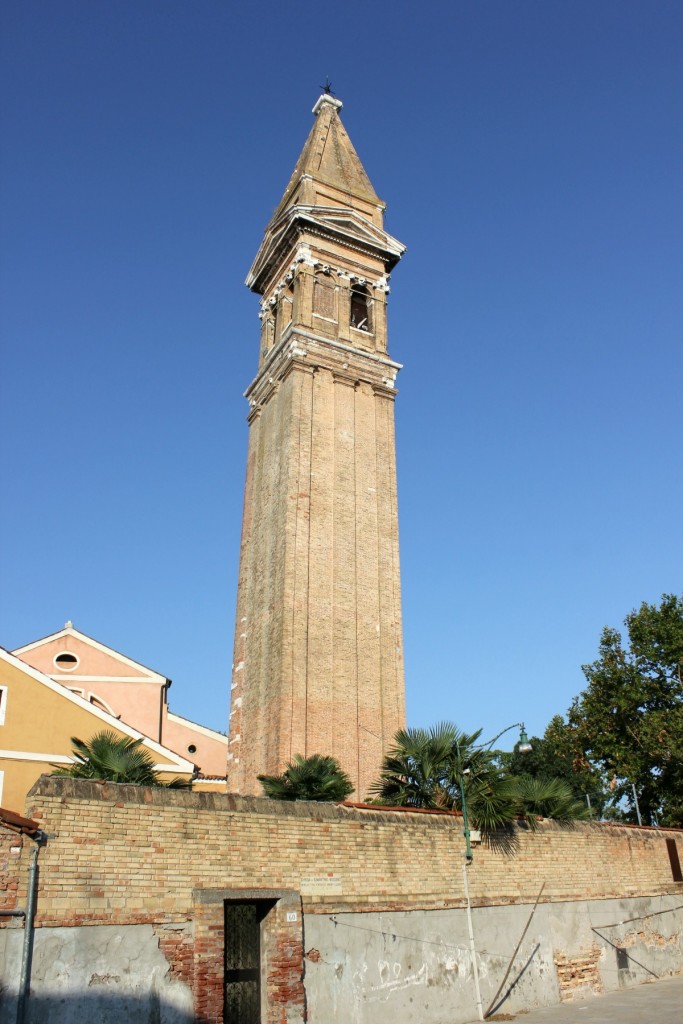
(309, 351)
(330, 225)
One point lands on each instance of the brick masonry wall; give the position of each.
(128, 855)
(11, 847)
(318, 665)
(580, 974)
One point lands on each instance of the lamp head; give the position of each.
(524, 745)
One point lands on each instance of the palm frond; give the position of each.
(112, 758)
(548, 798)
(317, 777)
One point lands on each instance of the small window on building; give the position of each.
(361, 308)
(65, 661)
(3, 704)
(192, 749)
(672, 850)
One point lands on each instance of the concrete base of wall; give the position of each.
(102, 973)
(410, 967)
(416, 967)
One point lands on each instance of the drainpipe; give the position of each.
(28, 914)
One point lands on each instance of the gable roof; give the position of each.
(70, 630)
(174, 762)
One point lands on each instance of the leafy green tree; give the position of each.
(317, 777)
(558, 755)
(425, 768)
(629, 719)
(114, 759)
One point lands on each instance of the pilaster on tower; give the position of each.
(318, 664)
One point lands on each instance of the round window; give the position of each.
(192, 749)
(66, 661)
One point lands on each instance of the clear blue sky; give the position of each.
(531, 156)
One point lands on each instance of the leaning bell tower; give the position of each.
(318, 662)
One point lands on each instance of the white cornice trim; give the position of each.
(324, 98)
(66, 679)
(274, 355)
(375, 357)
(177, 761)
(25, 755)
(324, 221)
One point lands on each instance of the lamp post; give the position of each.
(524, 748)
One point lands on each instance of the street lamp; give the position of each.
(524, 748)
(524, 745)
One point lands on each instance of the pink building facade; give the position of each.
(132, 693)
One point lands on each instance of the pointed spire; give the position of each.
(330, 190)
(329, 156)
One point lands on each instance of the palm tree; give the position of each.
(427, 767)
(114, 759)
(542, 797)
(317, 777)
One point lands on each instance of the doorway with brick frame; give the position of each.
(243, 961)
(247, 941)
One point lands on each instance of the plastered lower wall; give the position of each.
(416, 967)
(105, 973)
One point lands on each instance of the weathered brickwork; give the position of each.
(136, 855)
(11, 846)
(123, 855)
(176, 942)
(283, 997)
(579, 975)
(318, 664)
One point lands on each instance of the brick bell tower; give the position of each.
(318, 663)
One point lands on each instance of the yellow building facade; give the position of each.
(38, 717)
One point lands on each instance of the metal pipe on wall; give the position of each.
(27, 949)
